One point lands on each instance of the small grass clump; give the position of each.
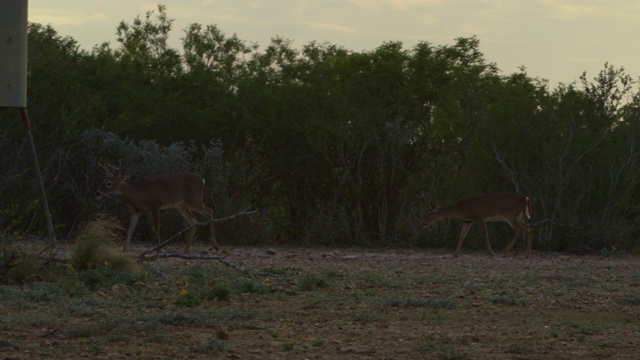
(312, 282)
(17, 266)
(221, 292)
(452, 353)
(98, 261)
(508, 299)
(432, 303)
(248, 286)
(187, 299)
(21, 268)
(96, 247)
(195, 294)
(517, 349)
(212, 346)
(318, 343)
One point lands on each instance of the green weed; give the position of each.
(508, 299)
(451, 353)
(417, 302)
(312, 282)
(517, 349)
(220, 291)
(212, 346)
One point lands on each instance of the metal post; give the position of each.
(36, 164)
(13, 78)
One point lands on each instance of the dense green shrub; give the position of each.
(333, 146)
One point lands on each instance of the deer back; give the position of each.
(158, 191)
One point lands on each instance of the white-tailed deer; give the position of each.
(181, 191)
(511, 208)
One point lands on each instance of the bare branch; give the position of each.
(181, 232)
(221, 259)
(109, 169)
(507, 169)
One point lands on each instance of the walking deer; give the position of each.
(181, 191)
(511, 208)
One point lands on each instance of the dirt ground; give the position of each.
(327, 303)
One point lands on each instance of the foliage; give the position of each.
(333, 146)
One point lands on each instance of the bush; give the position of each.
(16, 265)
(96, 247)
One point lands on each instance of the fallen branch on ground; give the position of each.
(180, 233)
(222, 259)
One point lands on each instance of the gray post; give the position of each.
(13, 79)
(43, 194)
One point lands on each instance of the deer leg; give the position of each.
(517, 227)
(485, 234)
(192, 233)
(212, 237)
(529, 240)
(133, 222)
(212, 233)
(463, 234)
(208, 213)
(156, 221)
(192, 220)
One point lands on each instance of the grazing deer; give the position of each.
(181, 191)
(511, 208)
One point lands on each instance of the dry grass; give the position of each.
(96, 246)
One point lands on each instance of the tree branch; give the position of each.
(221, 259)
(178, 234)
(507, 169)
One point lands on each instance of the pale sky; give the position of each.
(553, 39)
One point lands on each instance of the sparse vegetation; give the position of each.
(387, 306)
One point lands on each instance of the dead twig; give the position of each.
(180, 233)
(221, 259)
